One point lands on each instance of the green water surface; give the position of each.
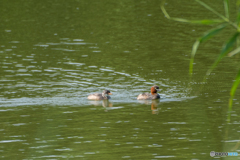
(53, 54)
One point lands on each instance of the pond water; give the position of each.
(53, 54)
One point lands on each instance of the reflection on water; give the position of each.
(104, 103)
(109, 105)
(153, 103)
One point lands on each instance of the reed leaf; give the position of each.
(204, 21)
(235, 84)
(238, 16)
(209, 34)
(218, 14)
(224, 51)
(207, 21)
(238, 3)
(235, 51)
(194, 50)
(212, 10)
(229, 110)
(234, 88)
(202, 39)
(226, 7)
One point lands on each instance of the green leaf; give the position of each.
(235, 51)
(208, 21)
(233, 90)
(224, 51)
(209, 34)
(238, 16)
(229, 44)
(226, 7)
(194, 50)
(235, 84)
(212, 10)
(238, 9)
(164, 10)
(204, 21)
(202, 39)
(238, 3)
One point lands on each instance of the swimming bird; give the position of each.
(100, 96)
(152, 95)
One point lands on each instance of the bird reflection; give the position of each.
(154, 104)
(104, 103)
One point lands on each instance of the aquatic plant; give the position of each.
(227, 49)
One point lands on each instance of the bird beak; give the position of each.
(109, 93)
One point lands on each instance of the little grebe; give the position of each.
(100, 96)
(152, 95)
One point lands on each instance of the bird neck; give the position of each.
(104, 95)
